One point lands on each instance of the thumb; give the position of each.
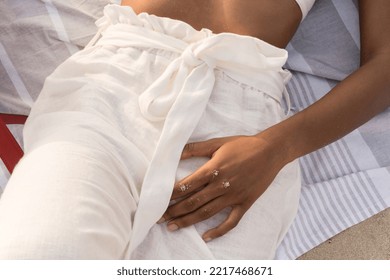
(205, 148)
(201, 149)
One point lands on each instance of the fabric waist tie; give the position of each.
(180, 95)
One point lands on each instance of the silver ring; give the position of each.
(184, 187)
(215, 173)
(226, 184)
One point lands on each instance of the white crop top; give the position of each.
(305, 6)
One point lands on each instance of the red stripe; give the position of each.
(10, 151)
(13, 119)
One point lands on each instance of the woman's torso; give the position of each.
(274, 21)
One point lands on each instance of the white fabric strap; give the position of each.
(180, 95)
(305, 6)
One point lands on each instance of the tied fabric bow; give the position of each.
(189, 79)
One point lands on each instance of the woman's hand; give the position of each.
(239, 171)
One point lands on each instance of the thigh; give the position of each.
(66, 201)
(75, 192)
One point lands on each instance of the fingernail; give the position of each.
(207, 239)
(173, 227)
(161, 220)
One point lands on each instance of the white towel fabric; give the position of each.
(104, 139)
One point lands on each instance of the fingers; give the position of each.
(203, 205)
(193, 202)
(200, 149)
(204, 148)
(203, 175)
(194, 182)
(231, 222)
(203, 213)
(206, 212)
(206, 192)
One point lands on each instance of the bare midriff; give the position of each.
(274, 21)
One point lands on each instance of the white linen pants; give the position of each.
(103, 142)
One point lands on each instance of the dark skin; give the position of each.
(354, 101)
(249, 17)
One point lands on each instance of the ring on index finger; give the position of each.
(215, 173)
(184, 187)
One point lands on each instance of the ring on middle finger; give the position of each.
(226, 184)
